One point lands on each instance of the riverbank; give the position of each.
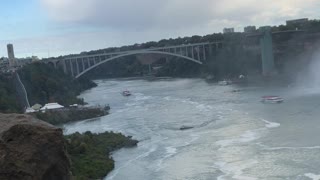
(90, 153)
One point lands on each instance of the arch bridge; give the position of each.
(78, 65)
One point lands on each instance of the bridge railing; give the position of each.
(137, 50)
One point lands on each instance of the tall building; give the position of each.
(11, 55)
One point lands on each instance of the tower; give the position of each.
(11, 55)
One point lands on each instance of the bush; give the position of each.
(89, 152)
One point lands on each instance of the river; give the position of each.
(235, 136)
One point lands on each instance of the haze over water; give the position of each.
(235, 136)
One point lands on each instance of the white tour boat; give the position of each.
(271, 99)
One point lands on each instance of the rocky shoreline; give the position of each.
(31, 149)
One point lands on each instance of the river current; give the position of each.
(234, 135)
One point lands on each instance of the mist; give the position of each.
(307, 78)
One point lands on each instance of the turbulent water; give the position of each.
(235, 136)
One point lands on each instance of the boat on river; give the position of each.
(271, 99)
(126, 93)
(185, 127)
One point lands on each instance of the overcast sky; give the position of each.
(58, 27)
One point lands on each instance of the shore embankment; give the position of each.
(66, 115)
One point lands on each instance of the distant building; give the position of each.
(35, 58)
(297, 22)
(250, 29)
(4, 64)
(265, 28)
(4, 60)
(11, 55)
(228, 30)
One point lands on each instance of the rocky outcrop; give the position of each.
(31, 149)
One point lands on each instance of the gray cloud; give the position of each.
(170, 14)
(93, 24)
(128, 14)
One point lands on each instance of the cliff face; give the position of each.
(31, 149)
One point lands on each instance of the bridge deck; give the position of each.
(143, 50)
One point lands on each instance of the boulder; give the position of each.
(31, 149)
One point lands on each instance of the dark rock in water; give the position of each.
(31, 149)
(186, 127)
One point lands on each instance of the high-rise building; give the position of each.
(11, 55)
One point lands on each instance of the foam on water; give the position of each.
(235, 170)
(200, 106)
(141, 97)
(291, 148)
(248, 136)
(171, 150)
(116, 171)
(270, 124)
(131, 104)
(312, 176)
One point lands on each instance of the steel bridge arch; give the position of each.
(134, 53)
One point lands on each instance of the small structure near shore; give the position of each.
(36, 107)
(50, 106)
(30, 110)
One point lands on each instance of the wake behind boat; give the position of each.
(224, 82)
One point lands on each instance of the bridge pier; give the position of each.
(267, 56)
(64, 66)
(71, 66)
(83, 67)
(77, 64)
(204, 53)
(187, 51)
